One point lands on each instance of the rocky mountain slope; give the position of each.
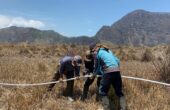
(139, 27)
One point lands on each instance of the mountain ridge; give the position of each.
(139, 27)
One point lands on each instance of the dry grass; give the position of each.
(23, 63)
(147, 56)
(163, 66)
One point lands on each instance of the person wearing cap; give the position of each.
(92, 45)
(70, 67)
(89, 68)
(109, 65)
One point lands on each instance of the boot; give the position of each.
(97, 98)
(85, 92)
(97, 95)
(122, 103)
(105, 103)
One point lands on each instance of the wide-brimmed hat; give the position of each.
(88, 56)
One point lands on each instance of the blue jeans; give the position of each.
(114, 79)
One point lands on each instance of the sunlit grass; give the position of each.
(23, 63)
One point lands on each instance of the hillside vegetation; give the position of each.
(36, 63)
(138, 27)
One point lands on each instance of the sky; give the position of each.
(72, 17)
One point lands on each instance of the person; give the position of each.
(109, 65)
(89, 68)
(70, 67)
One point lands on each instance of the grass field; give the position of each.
(26, 63)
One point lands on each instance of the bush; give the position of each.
(147, 56)
(163, 67)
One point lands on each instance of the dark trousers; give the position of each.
(87, 84)
(114, 79)
(70, 84)
(56, 77)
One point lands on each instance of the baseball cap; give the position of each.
(92, 45)
(78, 60)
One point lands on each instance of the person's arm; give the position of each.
(86, 67)
(77, 71)
(62, 69)
(86, 71)
(96, 65)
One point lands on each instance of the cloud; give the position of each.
(6, 21)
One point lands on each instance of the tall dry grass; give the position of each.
(23, 63)
(163, 66)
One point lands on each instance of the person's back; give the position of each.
(107, 60)
(66, 64)
(89, 65)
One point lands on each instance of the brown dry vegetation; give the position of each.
(24, 63)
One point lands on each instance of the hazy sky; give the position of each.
(72, 17)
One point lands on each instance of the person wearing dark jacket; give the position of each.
(70, 67)
(89, 68)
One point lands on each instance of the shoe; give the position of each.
(70, 99)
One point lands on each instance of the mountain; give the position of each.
(139, 27)
(20, 34)
(31, 35)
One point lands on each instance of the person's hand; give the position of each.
(61, 80)
(84, 73)
(93, 75)
(78, 77)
